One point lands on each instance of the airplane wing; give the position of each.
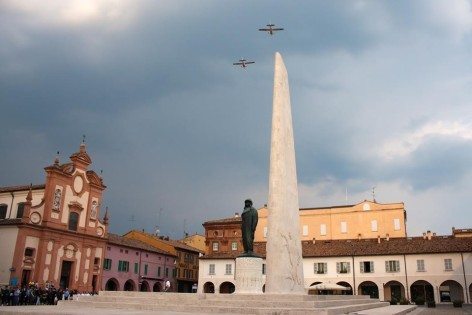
(277, 29)
(264, 29)
(238, 63)
(249, 62)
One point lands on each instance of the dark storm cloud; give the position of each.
(174, 126)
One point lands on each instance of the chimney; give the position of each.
(236, 214)
(314, 240)
(359, 236)
(434, 234)
(428, 234)
(378, 239)
(387, 237)
(424, 235)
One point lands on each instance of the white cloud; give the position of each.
(409, 142)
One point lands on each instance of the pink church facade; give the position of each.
(131, 265)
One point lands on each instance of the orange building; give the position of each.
(52, 233)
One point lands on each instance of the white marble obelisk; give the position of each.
(284, 250)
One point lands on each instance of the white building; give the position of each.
(428, 267)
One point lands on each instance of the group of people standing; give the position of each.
(33, 294)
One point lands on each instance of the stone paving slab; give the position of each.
(388, 310)
(51, 309)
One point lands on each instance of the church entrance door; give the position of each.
(65, 274)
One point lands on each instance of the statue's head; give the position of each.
(248, 203)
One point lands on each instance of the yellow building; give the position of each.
(196, 240)
(367, 219)
(186, 265)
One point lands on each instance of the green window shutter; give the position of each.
(387, 269)
(397, 265)
(325, 267)
(371, 266)
(315, 267)
(348, 267)
(361, 265)
(338, 267)
(136, 268)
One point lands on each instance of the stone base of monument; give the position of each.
(248, 275)
(207, 303)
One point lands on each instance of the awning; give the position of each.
(328, 286)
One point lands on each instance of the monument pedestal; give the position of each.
(248, 275)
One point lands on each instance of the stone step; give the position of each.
(196, 309)
(201, 302)
(228, 302)
(353, 308)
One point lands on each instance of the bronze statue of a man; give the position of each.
(248, 227)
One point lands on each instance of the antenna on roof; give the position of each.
(158, 215)
(132, 221)
(185, 228)
(83, 138)
(373, 194)
(346, 195)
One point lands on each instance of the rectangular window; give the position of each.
(126, 251)
(420, 265)
(174, 272)
(265, 231)
(392, 266)
(373, 226)
(167, 272)
(263, 269)
(215, 246)
(145, 270)
(367, 266)
(234, 246)
(447, 264)
(396, 224)
(305, 230)
(323, 229)
(123, 265)
(343, 227)
(211, 270)
(107, 264)
(29, 252)
(136, 268)
(159, 271)
(320, 268)
(228, 270)
(343, 267)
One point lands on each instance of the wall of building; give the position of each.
(358, 220)
(434, 274)
(19, 197)
(7, 248)
(154, 261)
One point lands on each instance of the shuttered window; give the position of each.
(343, 267)
(320, 268)
(366, 266)
(211, 270)
(392, 266)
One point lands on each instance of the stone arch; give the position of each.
(129, 286)
(450, 291)
(157, 287)
(423, 290)
(394, 291)
(347, 285)
(144, 286)
(227, 287)
(112, 285)
(368, 288)
(208, 287)
(263, 288)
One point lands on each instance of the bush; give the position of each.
(431, 304)
(404, 301)
(419, 301)
(457, 303)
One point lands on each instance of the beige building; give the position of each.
(195, 240)
(364, 220)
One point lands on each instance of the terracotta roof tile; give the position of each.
(371, 247)
(20, 188)
(225, 220)
(132, 243)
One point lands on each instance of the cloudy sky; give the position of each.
(381, 96)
